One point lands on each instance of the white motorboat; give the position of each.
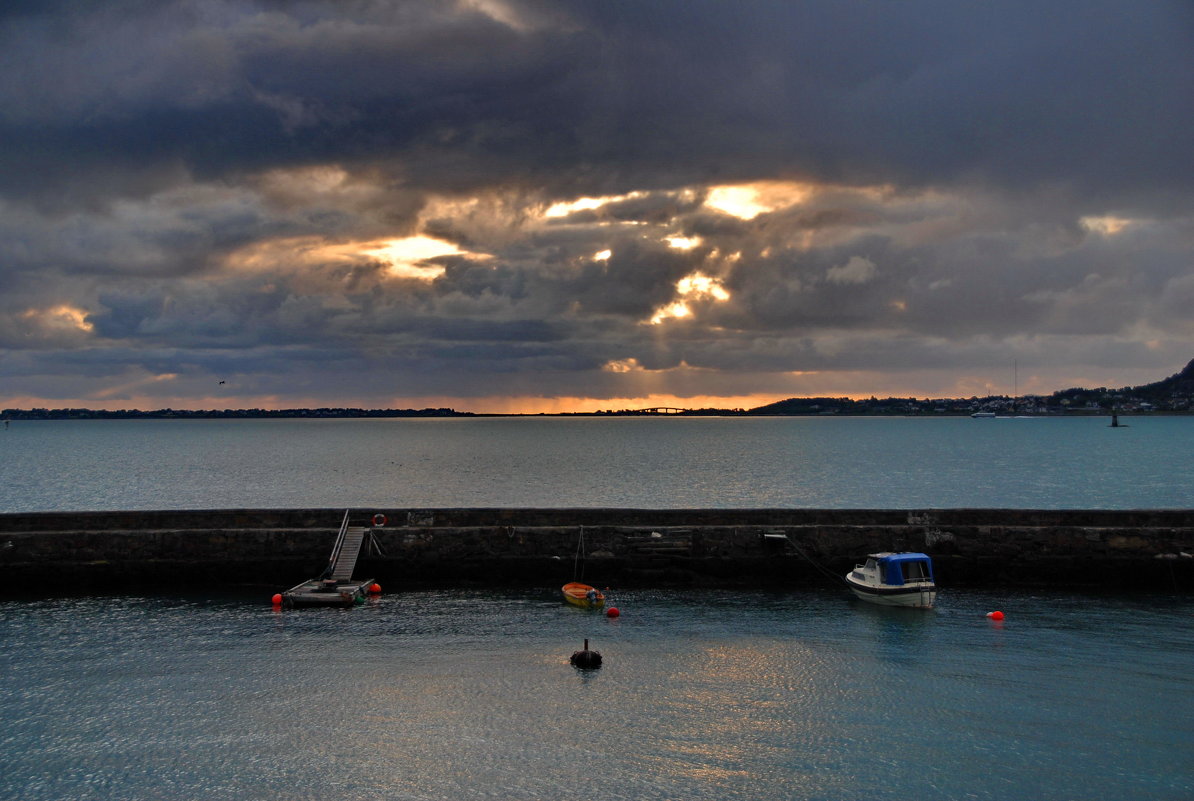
(895, 579)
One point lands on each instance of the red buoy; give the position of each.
(277, 599)
(379, 520)
(612, 612)
(996, 615)
(375, 589)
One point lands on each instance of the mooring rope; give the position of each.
(836, 578)
(580, 544)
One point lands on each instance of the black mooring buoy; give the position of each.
(586, 658)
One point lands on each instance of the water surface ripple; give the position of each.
(435, 695)
(562, 462)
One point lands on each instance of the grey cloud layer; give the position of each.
(1091, 93)
(144, 145)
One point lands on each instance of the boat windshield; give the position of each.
(914, 571)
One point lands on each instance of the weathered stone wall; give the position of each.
(114, 551)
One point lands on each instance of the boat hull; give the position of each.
(578, 595)
(917, 596)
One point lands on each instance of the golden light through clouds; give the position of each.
(694, 287)
(409, 257)
(682, 242)
(747, 201)
(563, 209)
(62, 317)
(1107, 226)
(503, 13)
(675, 309)
(316, 264)
(501, 205)
(698, 285)
(622, 366)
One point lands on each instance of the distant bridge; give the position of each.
(662, 410)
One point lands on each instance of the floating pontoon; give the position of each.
(336, 587)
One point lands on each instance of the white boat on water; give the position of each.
(983, 415)
(895, 579)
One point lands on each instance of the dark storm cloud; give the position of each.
(601, 96)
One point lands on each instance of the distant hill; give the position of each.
(807, 406)
(1177, 385)
(1175, 393)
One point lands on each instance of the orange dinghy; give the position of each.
(583, 595)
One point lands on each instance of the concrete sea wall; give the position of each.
(1147, 550)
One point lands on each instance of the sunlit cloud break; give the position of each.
(747, 201)
(565, 208)
(1107, 225)
(691, 288)
(410, 256)
(683, 242)
(62, 316)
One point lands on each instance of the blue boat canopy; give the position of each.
(896, 568)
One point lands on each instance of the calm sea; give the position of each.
(469, 695)
(591, 462)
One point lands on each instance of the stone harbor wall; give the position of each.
(1135, 550)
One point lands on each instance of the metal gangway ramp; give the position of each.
(337, 587)
(346, 550)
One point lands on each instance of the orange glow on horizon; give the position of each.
(573, 405)
(492, 405)
(151, 393)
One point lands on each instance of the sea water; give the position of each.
(564, 462)
(719, 695)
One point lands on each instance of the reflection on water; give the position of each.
(719, 696)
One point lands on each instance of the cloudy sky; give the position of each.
(529, 205)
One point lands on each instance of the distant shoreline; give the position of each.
(1173, 395)
(34, 415)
